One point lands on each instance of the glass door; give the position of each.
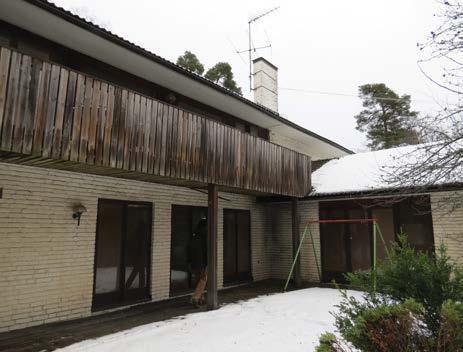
(123, 253)
(185, 219)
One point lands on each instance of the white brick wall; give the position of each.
(46, 260)
(280, 231)
(265, 84)
(448, 223)
(309, 212)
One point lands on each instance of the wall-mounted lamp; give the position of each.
(78, 210)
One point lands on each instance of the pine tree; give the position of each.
(387, 118)
(191, 62)
(222, 74)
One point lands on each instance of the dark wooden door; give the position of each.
(358, 240)
(236, 246)
(346, 247)
(334, 246)
(123, 253)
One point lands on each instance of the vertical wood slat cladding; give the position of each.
(52, 112)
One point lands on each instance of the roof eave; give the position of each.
(107, 35)
(389, 191)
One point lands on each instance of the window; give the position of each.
(123, 253)
(185, 219)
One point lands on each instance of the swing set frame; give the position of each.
(307, 231)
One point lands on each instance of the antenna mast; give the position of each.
(251, 21)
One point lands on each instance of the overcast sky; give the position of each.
(319, 46)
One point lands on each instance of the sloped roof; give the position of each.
(237, 100)
(376, 171)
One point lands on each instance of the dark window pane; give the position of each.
(415, 221)
(122, 258)
(243, 243)
(185, 219)
(137, 246)
(108, 249)
(229, 246)
(181, 232)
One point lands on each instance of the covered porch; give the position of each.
(74, 148)
(347, 247)
(52, 336)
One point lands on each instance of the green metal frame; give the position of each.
(307, 230)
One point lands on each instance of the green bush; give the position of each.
(327, 342)
(388, 327)
(415, 305)
(330, 343)
(451, 330)
(429, 279)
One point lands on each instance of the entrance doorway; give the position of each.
(347, 247)
(123, 253)
(185, 219)
(236, 246)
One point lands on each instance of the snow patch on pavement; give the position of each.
(290, 321)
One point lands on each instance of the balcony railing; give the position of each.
(54, 113)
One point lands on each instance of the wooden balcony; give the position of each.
(52, 116)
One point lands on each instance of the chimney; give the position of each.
(265, 83)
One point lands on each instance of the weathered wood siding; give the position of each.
(52, 112)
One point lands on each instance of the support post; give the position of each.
(296, 241)
(212, 301)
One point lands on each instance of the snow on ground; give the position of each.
(287, 322)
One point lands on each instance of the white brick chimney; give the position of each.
(265, 83)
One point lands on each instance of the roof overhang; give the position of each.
(399, 191)
(60, 26)
(377, 193)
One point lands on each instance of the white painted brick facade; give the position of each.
(281, 250)
(265, 84)
(309, 212)
(46, 260)
(448, 224)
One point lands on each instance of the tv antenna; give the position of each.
(250, 48)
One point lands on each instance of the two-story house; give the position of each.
(110, 155)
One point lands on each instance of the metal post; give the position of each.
(212, 300)
(315, 254)
(296, 240)
(295, 259)
(250, 58)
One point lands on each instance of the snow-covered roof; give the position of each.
(377, 170)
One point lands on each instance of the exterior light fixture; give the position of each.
(78, 210)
